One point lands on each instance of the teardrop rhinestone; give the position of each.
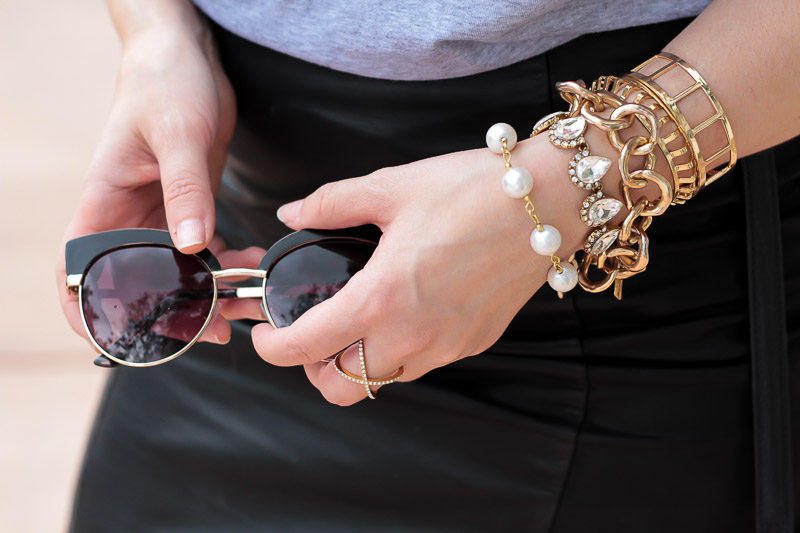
(592, 168)
(603, 243)
(603, 210)
(570, 128)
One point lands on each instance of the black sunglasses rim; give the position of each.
(81, 252)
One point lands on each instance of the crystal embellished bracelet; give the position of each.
(585, 170)
(612, 104)
(517, 183)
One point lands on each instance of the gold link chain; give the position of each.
(629, 253)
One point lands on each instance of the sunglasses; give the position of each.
(143, 302)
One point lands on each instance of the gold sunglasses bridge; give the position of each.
(243, 292)
(239, 272)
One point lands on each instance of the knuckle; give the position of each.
(442, 358)
(381, 201)
(373, 191)
(413, 345)
(172, 126)
(183, 187)
(372, 309)
(418, 339)
(324, 200)
(380, 189)
(296, 351)
(385, 174)
(264, 344)
(386, 299)
(377, 179)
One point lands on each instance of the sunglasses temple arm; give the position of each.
(241, 292)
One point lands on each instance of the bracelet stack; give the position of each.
(611, 104)
(691, 169)
(517, 183)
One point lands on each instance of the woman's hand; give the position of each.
(160, 157)
(453, 266)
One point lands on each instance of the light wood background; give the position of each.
(58, 63)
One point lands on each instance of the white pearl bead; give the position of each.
(517, 182)
(496, 133)
(545, 241)
(565, 281)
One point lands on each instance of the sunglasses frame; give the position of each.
(82, 252)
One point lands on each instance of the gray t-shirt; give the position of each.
(430, 39)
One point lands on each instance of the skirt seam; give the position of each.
(581, 422)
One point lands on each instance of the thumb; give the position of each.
(339, 204)
(188, 200)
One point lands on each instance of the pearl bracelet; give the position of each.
(518, 183)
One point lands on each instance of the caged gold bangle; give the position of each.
(692, 169)
(622, 252)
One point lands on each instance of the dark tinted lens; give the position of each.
(311, 274)
(145, 303)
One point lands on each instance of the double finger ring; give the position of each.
(363, 379)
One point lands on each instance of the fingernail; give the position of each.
(290, 212)
(189, 233)
(217, 340)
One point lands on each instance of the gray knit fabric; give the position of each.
(429, 39)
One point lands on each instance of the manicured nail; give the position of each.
(290, 212)
(190, 232)
(217, 340)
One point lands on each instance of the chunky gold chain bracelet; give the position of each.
(622, 252)
(691, 168)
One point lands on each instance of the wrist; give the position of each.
(559, 199)
(556, 197)
(143, 24)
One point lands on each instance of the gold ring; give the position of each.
(363, 379)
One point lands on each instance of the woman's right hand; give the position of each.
(161, 154)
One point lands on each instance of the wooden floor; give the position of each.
(58, 63)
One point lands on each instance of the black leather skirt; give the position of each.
(588, 415)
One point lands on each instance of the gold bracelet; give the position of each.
(585, 170)
(623, 251)
(691, 169)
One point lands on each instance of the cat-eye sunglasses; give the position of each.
(143, 302)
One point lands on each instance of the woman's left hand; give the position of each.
(453, 267)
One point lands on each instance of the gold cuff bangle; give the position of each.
(691, 169)
(623, 252)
